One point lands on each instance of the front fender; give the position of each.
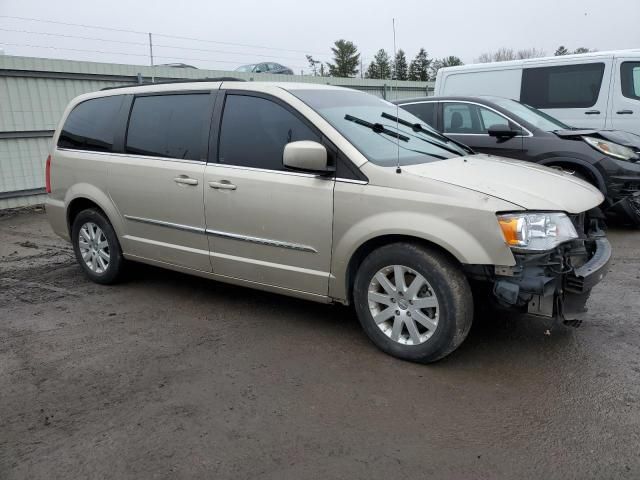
(485, 246)
(583, 164)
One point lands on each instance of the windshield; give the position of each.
(530, 114)
(245, 68)
(369, 123)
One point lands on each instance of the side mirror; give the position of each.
(503, 131)
(305, 155)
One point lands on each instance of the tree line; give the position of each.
(506, 54)
(347, 62)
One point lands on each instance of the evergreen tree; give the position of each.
(581, 50)
(419, 68)
(400, 67)
(372, 71)
(346, 59)
(561, 51)
(382, 64)
(313, 64)
(450, 61)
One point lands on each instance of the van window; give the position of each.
(255, 131)
(630, 79)
(566, 86)
(91, 125)
(424, 111)
(168, 125)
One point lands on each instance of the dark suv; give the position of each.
(265, 67)
(608, 159)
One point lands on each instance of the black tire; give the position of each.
(453, 293)
(115, 266)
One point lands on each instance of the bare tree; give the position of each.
(505, 54)
(530, 53)
(485, 58)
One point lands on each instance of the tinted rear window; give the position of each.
(91, 125)
(424, 111)
(567, 86)
(168, 125)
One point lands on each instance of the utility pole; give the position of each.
(361, 73)
(153, 77)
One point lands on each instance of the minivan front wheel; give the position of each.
(413, 302)
(96, 247)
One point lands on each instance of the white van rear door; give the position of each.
(625, 105)
(576, 93)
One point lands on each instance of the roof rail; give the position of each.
(178, 80)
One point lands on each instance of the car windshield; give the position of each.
(245, 68)
(369, 123)
(530, 114)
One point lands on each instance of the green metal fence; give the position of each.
(35, 91)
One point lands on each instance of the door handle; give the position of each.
(624, 112)
(592, 112)
(185, 181)
(222, 185)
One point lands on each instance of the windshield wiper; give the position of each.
(416, 127)
(376, 127)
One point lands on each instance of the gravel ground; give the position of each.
(171, 376)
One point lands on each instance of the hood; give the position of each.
(627, 139)
(531, 186)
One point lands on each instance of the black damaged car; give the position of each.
(609, 159)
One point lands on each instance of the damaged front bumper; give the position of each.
(554, 284)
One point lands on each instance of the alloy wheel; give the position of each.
(94, 247)
(403, 305)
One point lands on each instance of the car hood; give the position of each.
(627, 139)
(528, 185)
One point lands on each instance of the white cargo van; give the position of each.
(591, 90)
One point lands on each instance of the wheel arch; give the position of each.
(374, 243)
(80, 197)
(579, 165)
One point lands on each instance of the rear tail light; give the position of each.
(47, 175)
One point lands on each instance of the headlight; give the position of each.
(536, 232)
(614, 150)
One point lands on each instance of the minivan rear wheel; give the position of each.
(96, 247)
(413, 302)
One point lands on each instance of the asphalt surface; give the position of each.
(171, 376)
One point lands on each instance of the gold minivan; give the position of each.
(323, 193)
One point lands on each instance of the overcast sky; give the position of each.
(290, 28)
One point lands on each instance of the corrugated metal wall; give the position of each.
(35, 91)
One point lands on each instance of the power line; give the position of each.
(158, 34)
(127, 54)
(51, 34)
(72, 36)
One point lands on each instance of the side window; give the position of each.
(424, 111)
(461, 118)
(630, 79)
(491, 118)
(567, 86)
(91, 125)
(168, 125)
(255, 130)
